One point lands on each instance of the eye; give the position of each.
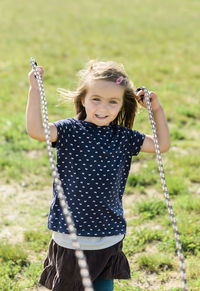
(113, 102)
(96, 99)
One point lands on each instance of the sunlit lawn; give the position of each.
(158, 43)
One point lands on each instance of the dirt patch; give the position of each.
(18, 212)
(135, 167)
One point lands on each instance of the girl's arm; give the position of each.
(34, 123)
(161, 126)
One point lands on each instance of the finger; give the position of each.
(140, 94)
(141, 99)
(31, 74)
(139, 89)
(40, 70)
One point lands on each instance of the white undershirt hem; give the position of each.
(87, 242)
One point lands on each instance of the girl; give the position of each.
(94, 152)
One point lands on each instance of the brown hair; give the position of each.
(108, 71)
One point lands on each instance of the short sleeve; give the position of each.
(136, 142)
(64, 128)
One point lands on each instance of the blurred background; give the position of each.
(158, 43)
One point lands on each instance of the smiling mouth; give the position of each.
(101, 116)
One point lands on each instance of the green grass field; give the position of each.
(158, 43)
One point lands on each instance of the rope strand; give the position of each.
(86, 281)
(166, 194)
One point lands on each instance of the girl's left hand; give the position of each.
(153, 98)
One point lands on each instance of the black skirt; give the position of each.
(61, 271)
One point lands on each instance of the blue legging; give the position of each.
(103, 285)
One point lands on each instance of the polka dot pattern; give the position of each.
(93, 163)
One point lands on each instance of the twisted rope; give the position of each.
(166, 194)
(86, 281)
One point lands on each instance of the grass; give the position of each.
(159, 50)
(176, 185)
(38, 240)
(139, 240)
(151, 208)
(155, 263)
(13, 253)
(13, 260)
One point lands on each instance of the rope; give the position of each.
(166, 194)
(86, 281)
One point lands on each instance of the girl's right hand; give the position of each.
(32, 79)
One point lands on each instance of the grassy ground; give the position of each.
(158, 43)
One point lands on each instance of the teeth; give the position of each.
(101, 115)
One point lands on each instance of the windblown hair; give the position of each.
(108, 71)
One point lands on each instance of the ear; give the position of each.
(83, 101)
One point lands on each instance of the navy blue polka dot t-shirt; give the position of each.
(93, 163)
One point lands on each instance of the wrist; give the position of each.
(34, 89)
(157, 108)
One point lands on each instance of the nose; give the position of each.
(103, 106)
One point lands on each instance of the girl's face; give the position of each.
(102, 102)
